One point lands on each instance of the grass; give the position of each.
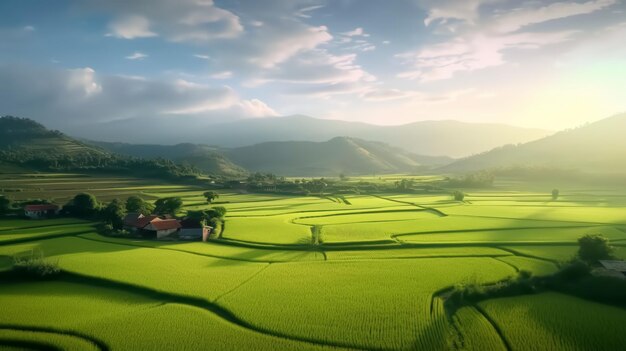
(373, 283)
(552, 321)
(366, 304)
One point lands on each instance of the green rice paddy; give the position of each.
(373, 283)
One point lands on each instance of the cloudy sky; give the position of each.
(527, 63)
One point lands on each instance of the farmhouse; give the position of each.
(160, 228)
(41, 211)
(192, 229)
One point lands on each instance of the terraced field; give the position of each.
(375, 281)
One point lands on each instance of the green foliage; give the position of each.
(594, 247)
(483, 179)
(5, 204)
(216, 212)
(168, 205)
(35, 265)
(83, 205)
(555, 194)
(458, 195)
(135, 204)
(114, 213)
(210, 196)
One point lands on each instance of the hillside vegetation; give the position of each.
(594, 148)
(338, 155)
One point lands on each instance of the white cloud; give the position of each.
(131, 27)
(475, 52)
(489, 36)
(317, 67)
(136, 56)
(29, 29)
(522, 17)
(203, 57)
(178, 21)
(354, 33)
(81, 96)
(254, 108)
(304, 12)
(222, 75)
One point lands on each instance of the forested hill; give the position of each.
(330, 158)
(26, 144)
(598, 147)
(206, 158)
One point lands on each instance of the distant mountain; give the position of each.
(330, 158)
(598, 147)
(203, 157)
(433, 138)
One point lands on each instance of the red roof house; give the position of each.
(41, 211)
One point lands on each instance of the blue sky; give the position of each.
(548, 64)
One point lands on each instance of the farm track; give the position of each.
(42, 346)
(168, 297)
(489, 230)
(429, 209)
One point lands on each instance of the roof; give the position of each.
(619, 266)
(42, 207)
(165, 224)
(131, 218)
(144, 221)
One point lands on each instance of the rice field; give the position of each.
(375, 282)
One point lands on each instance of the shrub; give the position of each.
(459, 195)
(594, 247)
(35, 265)
(555, 194)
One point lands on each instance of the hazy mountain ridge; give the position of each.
(599, 147)
(433, 138)
(330, 158)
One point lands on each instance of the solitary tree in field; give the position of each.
(138, 205)
(210, 196)
(594, 247)
(555, 194)
(168, 205)
(459, 195)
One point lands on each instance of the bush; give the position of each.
(35, 265)
(459, 195)
(555, 194)
(594, 247)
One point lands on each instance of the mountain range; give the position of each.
(598, 147)
(433, 138)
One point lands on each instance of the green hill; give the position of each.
(598, 147)
(206, 158)
(31, 138)
(330, 158)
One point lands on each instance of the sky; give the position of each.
(544, 64)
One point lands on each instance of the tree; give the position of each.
(83, 205)
(114, 214)
(210, 196)
(216, 212)
(594, 247)
(5, 204)
(459, 195)
(138, 205)
(168, 205)
(555, 194)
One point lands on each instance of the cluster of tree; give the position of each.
(6, 205)
(87, 206)
(481, 179)
(213, 217)
(100, 162)
(574, 278)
